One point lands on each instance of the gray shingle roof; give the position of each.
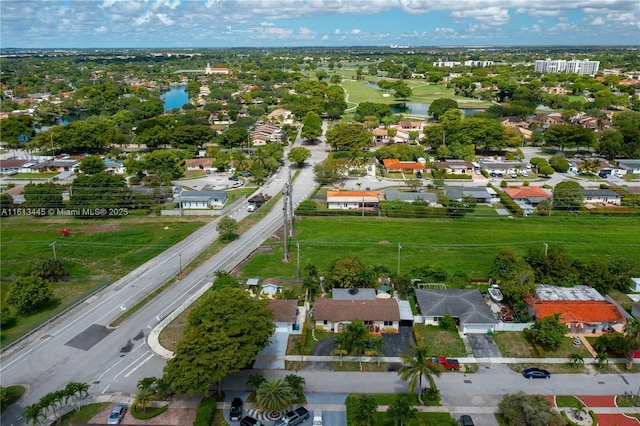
(468, 305)
(345, 294)
(394, 194)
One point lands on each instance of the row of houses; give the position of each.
(58, 164)
(582, 309)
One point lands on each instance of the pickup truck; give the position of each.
(292, 418)
(446, 363)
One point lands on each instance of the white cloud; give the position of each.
(101, 29)
(165, 19)
(325, 37)
(144, 19)
(445, 30)
(267, 24)
(355, 31)
(306, 31)
(336, 31)
(598, 21)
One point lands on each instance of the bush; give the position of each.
(559, 163)
(503, 184)
(206, 411)
(448, 323)
(149, 414)
(508, 203)
(537, 347)
(307, 207)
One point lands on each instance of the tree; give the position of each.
(298, 155)
(42, 196)
(255, 380)
(225, 331)
(631, 332)
(401, 90)
(401, 411)
(576, 360)
(32, 413)
(347, 136)
(296, 383)
(348, 272)
(311, 126)
(549, 331)
(51, 270)
(568, 195)
(143, 399)
(91, 165)
(448, 323)
(601, 359)
(327, 171)
(545, 170)
(274, 395)
(29, 293)
(355, 339)
(227, 228)
(415, 364)
(521, 409)
(365, 410)
(440, 106)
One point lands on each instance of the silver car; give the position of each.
(117, 414)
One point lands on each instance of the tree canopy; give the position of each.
(348, 136)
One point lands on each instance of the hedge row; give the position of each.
(206, 411)
(150, 413)
(508, 202)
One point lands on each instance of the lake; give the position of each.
(175, 97)
(415, 108)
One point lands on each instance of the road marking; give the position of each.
(105, 389)
(132, 363)
(139, 365)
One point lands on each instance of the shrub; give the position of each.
(149, 414)
(508, 203)
(559, 163)
(206, 411)
(503, 184)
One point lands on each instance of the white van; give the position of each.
(317, 417)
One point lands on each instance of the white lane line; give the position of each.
(139, 365)
(131, 363)
(105, 389)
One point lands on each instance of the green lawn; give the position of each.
(464, 247)
(440, 342)
(97, 253)
(33, 176)
(86, 413)
(381, 419)
(513, 344)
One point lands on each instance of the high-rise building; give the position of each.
(584, 67)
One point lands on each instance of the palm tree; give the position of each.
(340, 352)
(632, 338)
(163, 388)
(146, 383)
(366, 408)
(415, 365)
(274, 395)
(296, 383)
(576, 360)
(401, 412)
(255, 380)
(33, 413)
(602, 359)
(579, 409)
(143, 399)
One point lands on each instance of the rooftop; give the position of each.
(349, 310)
(546, 292)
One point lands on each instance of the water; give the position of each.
(415, 108)
(175, 97)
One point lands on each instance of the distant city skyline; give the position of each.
(316, 23)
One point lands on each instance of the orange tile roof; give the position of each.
(394, 163)
(586, 311)
(352, 194)
(527, 192)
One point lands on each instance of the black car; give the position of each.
(249, 421)
(466, 421)
(536, 373)
(236, 410)
(233, 178)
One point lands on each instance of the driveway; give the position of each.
(483, 346)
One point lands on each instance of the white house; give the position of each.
(202, 199)
(347, 200)
(380, 315)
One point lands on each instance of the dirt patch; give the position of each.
(172, 333)
(384, 242)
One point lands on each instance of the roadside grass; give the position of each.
(466, 246)
(440, 342)
(97, 253)
(14, 393)
(367, 367)
(627, 400)
(381, 418)
(34, 176)
(82, 416)
(513, 344)
(566, 348)
(566, 400)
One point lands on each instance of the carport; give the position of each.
(406, 316)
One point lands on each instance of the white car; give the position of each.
(524, 173)
(317, 417)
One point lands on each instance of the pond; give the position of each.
(415, 108)
(175, 97)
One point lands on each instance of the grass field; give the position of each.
(439, 342)
(465, 248)
(97, 253)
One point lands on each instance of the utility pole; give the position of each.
(285, 228)
(298, 262)
(53, 246)
(291, 215)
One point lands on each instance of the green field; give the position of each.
(97, 253)
(465, 248)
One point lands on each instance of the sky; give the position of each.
(295, 23)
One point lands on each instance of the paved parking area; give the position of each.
(483, 346)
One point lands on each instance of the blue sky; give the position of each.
(282, 23)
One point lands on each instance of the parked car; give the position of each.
(236, 410)
(419, 175)
(292, 418)
(536, 373)
(513, 174)
(524, 173)
(447, 363)
(466, 420)
(317, 417)
(117, 413)
(249, 421)
(234, 178)
(244, 173)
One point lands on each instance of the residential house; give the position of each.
(269, 289)
(467, 307)
(501, 167)
(202, 199)
(213, 70)
(381, 136)
(281, 115)
(12, 165)
(411, 196)
(199, 163)
(481, 195)
(353, 293)
(631, 166)
(347, 200)
(459, 167)
(380, 315)
(61, 166)
(411, 126)
(285, 314)
(392, 165)
(545, 120)
(602, 196)
(581, 308)
(513, 122)
(266, 133)
(114, 166)
(528, 195)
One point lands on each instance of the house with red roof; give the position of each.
(528, 197)
(348, 200)
(581, 308)
(394, 165)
